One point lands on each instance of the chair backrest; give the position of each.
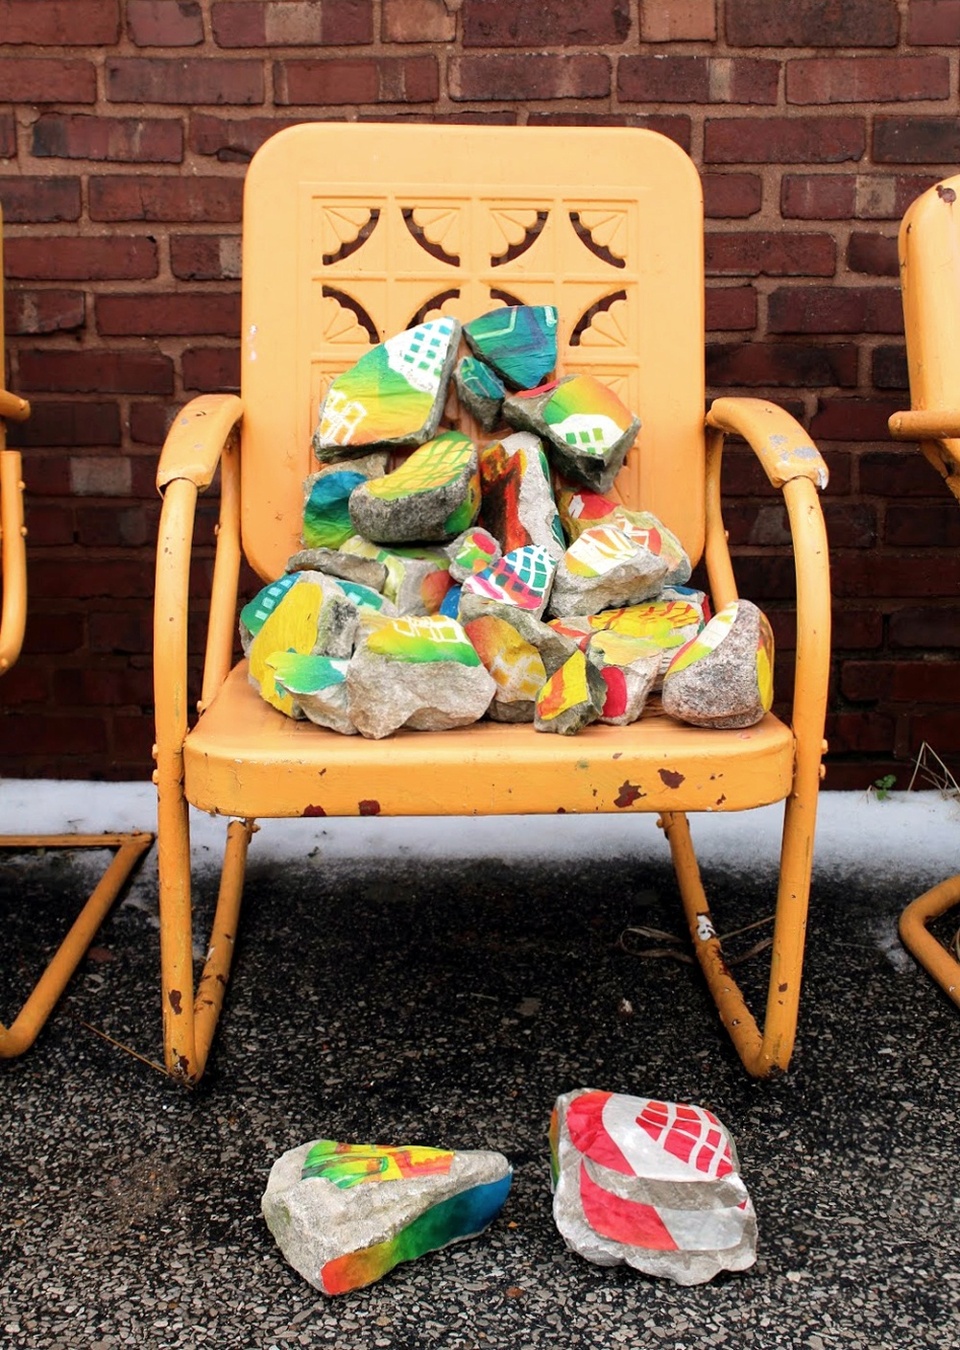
(354, 232)
(929, 248)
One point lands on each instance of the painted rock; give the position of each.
(255, 612)
(587, 426)
(522, 577)
(417, 578)
(472, 551)
(651, 1184)
(480, 391)
(392, 396)
(724, 676)
(313, 618)
(520, 653)
(580, 509)
(326, 513)
(518, 505)
(343, 566)
(605, 569)
(316, 686)
(668, 623)
(344, 1215)
(519, 342)
(420, 673)
(630, 667)
(571, 698)
(434, 494)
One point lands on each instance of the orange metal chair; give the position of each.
(129, 848)
(351, 233)
(929, 247)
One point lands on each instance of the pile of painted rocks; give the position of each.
(637, 1181)
(502, 579)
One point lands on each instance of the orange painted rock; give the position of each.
(572, 698)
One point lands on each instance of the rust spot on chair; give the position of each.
(946, 194)
(175, 999)
(314, 811)
(671, 778)
(628, 794)
(369, 808)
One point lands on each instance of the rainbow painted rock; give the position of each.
(629, 667)
(520, 653)
(314, 617)
(571, 698)
(418, 673)
(519, 342)
(724, 676)
(473, 551)
(585, 423)
(518, 505)
(522, 577)
(433, 494)
(392, 396)
(480, 391)
(417, 578)
(668, 623)
(651, 1184)
(604, 568)
(326, 497)
(316, 686)
(344, 1215)
(255, 612)
(580, 509)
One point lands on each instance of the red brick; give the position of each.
(663, 79)
(728, 196)
(922, 525)
(149, 424)
(40, 79)
(39, 201)
(888, 368)
(933, 23)
(852, 419)
(205, 257)
(873, 254)
(191, 80)
(251, 23)
(47, 474)
(113, 578)
(123, 686)
(731, 308)
(82, 136)
(812, 23)
(90, 371)
(835, 309)
(678, 20)
(818, 196)
(849, 732)
(419, 21)
(48, 524)
(74, 258)
(740, 80)
(860, 575)
(71, 424)
(897, 472)
(673, 126)
(55, 735)
(8, 136)
(166, 198)
(232, 138)
(165, 23)
(916, 140)
(856, 629)
(521, 78)
(355, 79)
(30, 311)
(554, 23)
(925, 626)
(112, 526)
(181, 313)
(60, 23)
(784, 140)
(759, 364)
(774, 254)
(932, 681)
(121, 631)
(867, 79)
(211, 370)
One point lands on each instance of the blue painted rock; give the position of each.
(344, 1215)
(518, 505)
(587, 427)
(392, 396)
(724, 677)
(255, 612)
(480, 391)
(433, 495)
(326, 512)
(519, 342)
(604, 568)
(651, 1184)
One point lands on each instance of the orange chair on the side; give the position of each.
(351, 233)
(128, 848)
(929, 249)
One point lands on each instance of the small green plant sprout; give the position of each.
(880, 787)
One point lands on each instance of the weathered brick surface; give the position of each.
(125, 129)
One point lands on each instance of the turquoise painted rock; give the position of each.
(522, 577)
(586, 425)
(316, 686)
(433, 495)
(326, 512)
(519, 342)
(480, 392)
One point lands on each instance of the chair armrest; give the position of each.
(925, 424)
(13, 408)
(195, 442)
(777, 439)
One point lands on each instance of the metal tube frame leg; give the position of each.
(922, 945)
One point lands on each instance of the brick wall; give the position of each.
(125, 129)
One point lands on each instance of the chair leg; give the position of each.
(25, 1028)
(190, 1018)
(931, 954)
(765, 1051)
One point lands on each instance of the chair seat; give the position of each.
(245, 759)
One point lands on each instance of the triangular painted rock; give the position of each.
(587, 426)
(580, 509)
(518, 505)
(519, 342)
(255, 612)
(419, 673)
(433, 494)
(392, 396)
(344, 1215)
(571, 698)
(724, 676)
(522, 577)
(326, 513)
(480, 391)
(472, 551)
(521, 653)
(651, 1184)
(630, 667)
(316, 686)
(605, 569)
